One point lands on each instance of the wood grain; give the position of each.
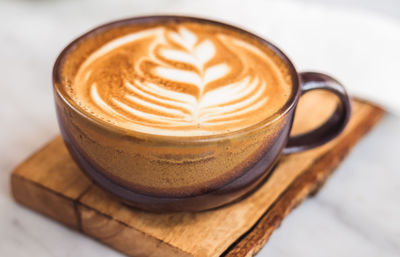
(52, 184)
(308, 183)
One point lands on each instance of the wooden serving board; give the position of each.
(50, 183)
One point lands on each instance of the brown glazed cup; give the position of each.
(170, 173)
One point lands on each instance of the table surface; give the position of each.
(355, 214)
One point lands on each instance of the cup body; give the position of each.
(172, 175)
(164, 173)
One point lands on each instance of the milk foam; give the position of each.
(182, 79)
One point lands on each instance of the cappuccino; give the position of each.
(174, 113)
(178, 79)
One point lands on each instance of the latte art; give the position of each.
(182, 79)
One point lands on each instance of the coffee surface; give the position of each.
(180, 79)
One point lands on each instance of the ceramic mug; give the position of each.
(171, 173)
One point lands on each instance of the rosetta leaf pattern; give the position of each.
(159, 105)
(192, 52)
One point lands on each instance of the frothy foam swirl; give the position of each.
(181, 79)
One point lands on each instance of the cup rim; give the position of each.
(290, 103)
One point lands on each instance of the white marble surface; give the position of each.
(357, 213)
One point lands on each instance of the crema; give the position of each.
(180, 79)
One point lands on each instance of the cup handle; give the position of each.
(331, 127)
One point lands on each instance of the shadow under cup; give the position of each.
(166, 173)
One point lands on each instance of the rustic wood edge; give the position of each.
(307, 184)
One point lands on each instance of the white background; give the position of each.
(357, 213)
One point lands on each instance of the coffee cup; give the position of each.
(173, 113)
